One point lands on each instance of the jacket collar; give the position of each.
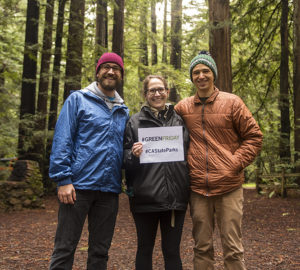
(146, 113)
(212, 97)
(96, 91)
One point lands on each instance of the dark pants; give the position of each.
(101, 209)
(146, 227)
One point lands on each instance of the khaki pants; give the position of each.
(228, 210)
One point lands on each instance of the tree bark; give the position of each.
(74, 47)
(153, 30)
(296, 83)
(118, 28)
(56, 66)
(176, 35)
(2, 78)
(143, 43)
(101, 28)
(40, 124)
(284, 148)
(48, 184)
(219, 42)
(45, 64)
(118, 33)
(28, 91)
(165, 37)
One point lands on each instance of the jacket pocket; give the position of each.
(82, 158)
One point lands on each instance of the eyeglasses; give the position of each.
(160, 90)
(108, 67)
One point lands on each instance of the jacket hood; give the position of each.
(93, 88)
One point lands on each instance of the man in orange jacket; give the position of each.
(224, 139)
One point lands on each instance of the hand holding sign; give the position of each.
(137, 149)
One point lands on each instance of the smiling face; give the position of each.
(203, 79)
(157, 95)
(109, 78)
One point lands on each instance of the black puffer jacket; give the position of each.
(155, 186)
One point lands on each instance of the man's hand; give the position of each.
(66, 194)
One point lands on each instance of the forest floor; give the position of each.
(271, 234)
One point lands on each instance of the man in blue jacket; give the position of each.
(86, 162)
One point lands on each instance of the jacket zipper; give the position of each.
(206, 150)
(163, 124)
(167, 175)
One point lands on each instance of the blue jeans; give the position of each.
(101, 209)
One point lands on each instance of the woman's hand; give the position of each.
(137, 149)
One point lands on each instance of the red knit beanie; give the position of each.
(110, 58)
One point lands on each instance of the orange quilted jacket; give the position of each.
(224, 139)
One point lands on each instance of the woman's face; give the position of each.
(157, 95)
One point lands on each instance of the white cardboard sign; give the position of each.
(161, 144)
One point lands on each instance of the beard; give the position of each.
(109, 85)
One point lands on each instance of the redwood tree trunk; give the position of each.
(143, 41)
(56, 66)
(101, 28)
(2, 79)
(74, 48)
(28, 91)
(165, 37)
(176, 32)
(219, 42)
(285, 153)
(54, 91)
(296, 83)
(40, 125)
(153, 30)
(118, 33)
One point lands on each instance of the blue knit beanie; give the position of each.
(204, 58)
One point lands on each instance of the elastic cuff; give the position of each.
(64, 182)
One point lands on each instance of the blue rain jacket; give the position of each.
(87, 149)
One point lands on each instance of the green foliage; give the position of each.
(256, 61)
(11, 47)
(255, 41)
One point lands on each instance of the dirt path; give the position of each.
(271, 229)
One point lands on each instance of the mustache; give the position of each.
(111, 76)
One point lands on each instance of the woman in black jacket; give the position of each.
(159, 191)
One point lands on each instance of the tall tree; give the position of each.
(219, 41)
(74, 47)
(165, 37)
(40, 125)
(28, 91)
(54, 89)
(296, 83)
(284, 147)
(101, 28)
(143, 40)
(2, 79)
(118, 32)
(176, 35)
(118, 28)
(153, 32)
(56, 66)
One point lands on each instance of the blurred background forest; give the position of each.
(48, 48)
